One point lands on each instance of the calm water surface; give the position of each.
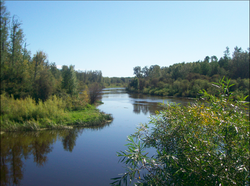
(81, 156)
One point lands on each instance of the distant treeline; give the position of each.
(186, 79)
(116, 81)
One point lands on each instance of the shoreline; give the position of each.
(181, 97)
(85, 118)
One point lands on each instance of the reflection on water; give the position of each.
(141, 103)
(114, 91)
(69, 141)
(149, 104)
(19, 146)
(145, 107)
(53, 153)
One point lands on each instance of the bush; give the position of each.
(145, 90)
(201, 144)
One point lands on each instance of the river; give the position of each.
(81, 156)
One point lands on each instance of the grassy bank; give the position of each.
(54, 113)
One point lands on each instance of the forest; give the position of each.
(31, 87)
(186, 79)
(23, 74)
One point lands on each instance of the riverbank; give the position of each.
(237, 95)
(85, 118)
(188, 87)
(116, 86)
(26, 115)
(158, 92)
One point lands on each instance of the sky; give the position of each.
(116, 36)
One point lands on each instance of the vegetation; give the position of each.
(24, 75)
(186, 79)
(94, 92)
(114, 82)
(35, 93)
(205, 143)
(26, 114)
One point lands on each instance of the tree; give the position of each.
(155, 71)
(145, 71)
(227, 53)
(137, 71)
(207, 58)
(214, 68)
(15, 78)
(205, 68)
(4, 20)
(223, 62)
(239, 65)
(135, 83)
(39, 61)
(214, 59)
(16, 37)
(69, 82)
(44, 85)
(197, 67)
(94, 92)
(176, 72)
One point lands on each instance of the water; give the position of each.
(81, 156)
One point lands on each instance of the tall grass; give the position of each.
(19, 110)
(55, 112)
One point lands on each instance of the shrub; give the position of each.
(201, 144)
(145, 90)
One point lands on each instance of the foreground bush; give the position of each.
(201, 144)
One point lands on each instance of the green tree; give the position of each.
(4, 20)
(207, 58)
(205, 68)
(155, 71)
(16, 42)
(39, 62)
(239, 65)
(44, 85)
(15, 78)
(214, 68)
(214, 59)
(69, 82)
(138, 71)
(223, 62)
(145, 71)
(197, 67)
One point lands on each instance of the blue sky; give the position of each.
(116, 36)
